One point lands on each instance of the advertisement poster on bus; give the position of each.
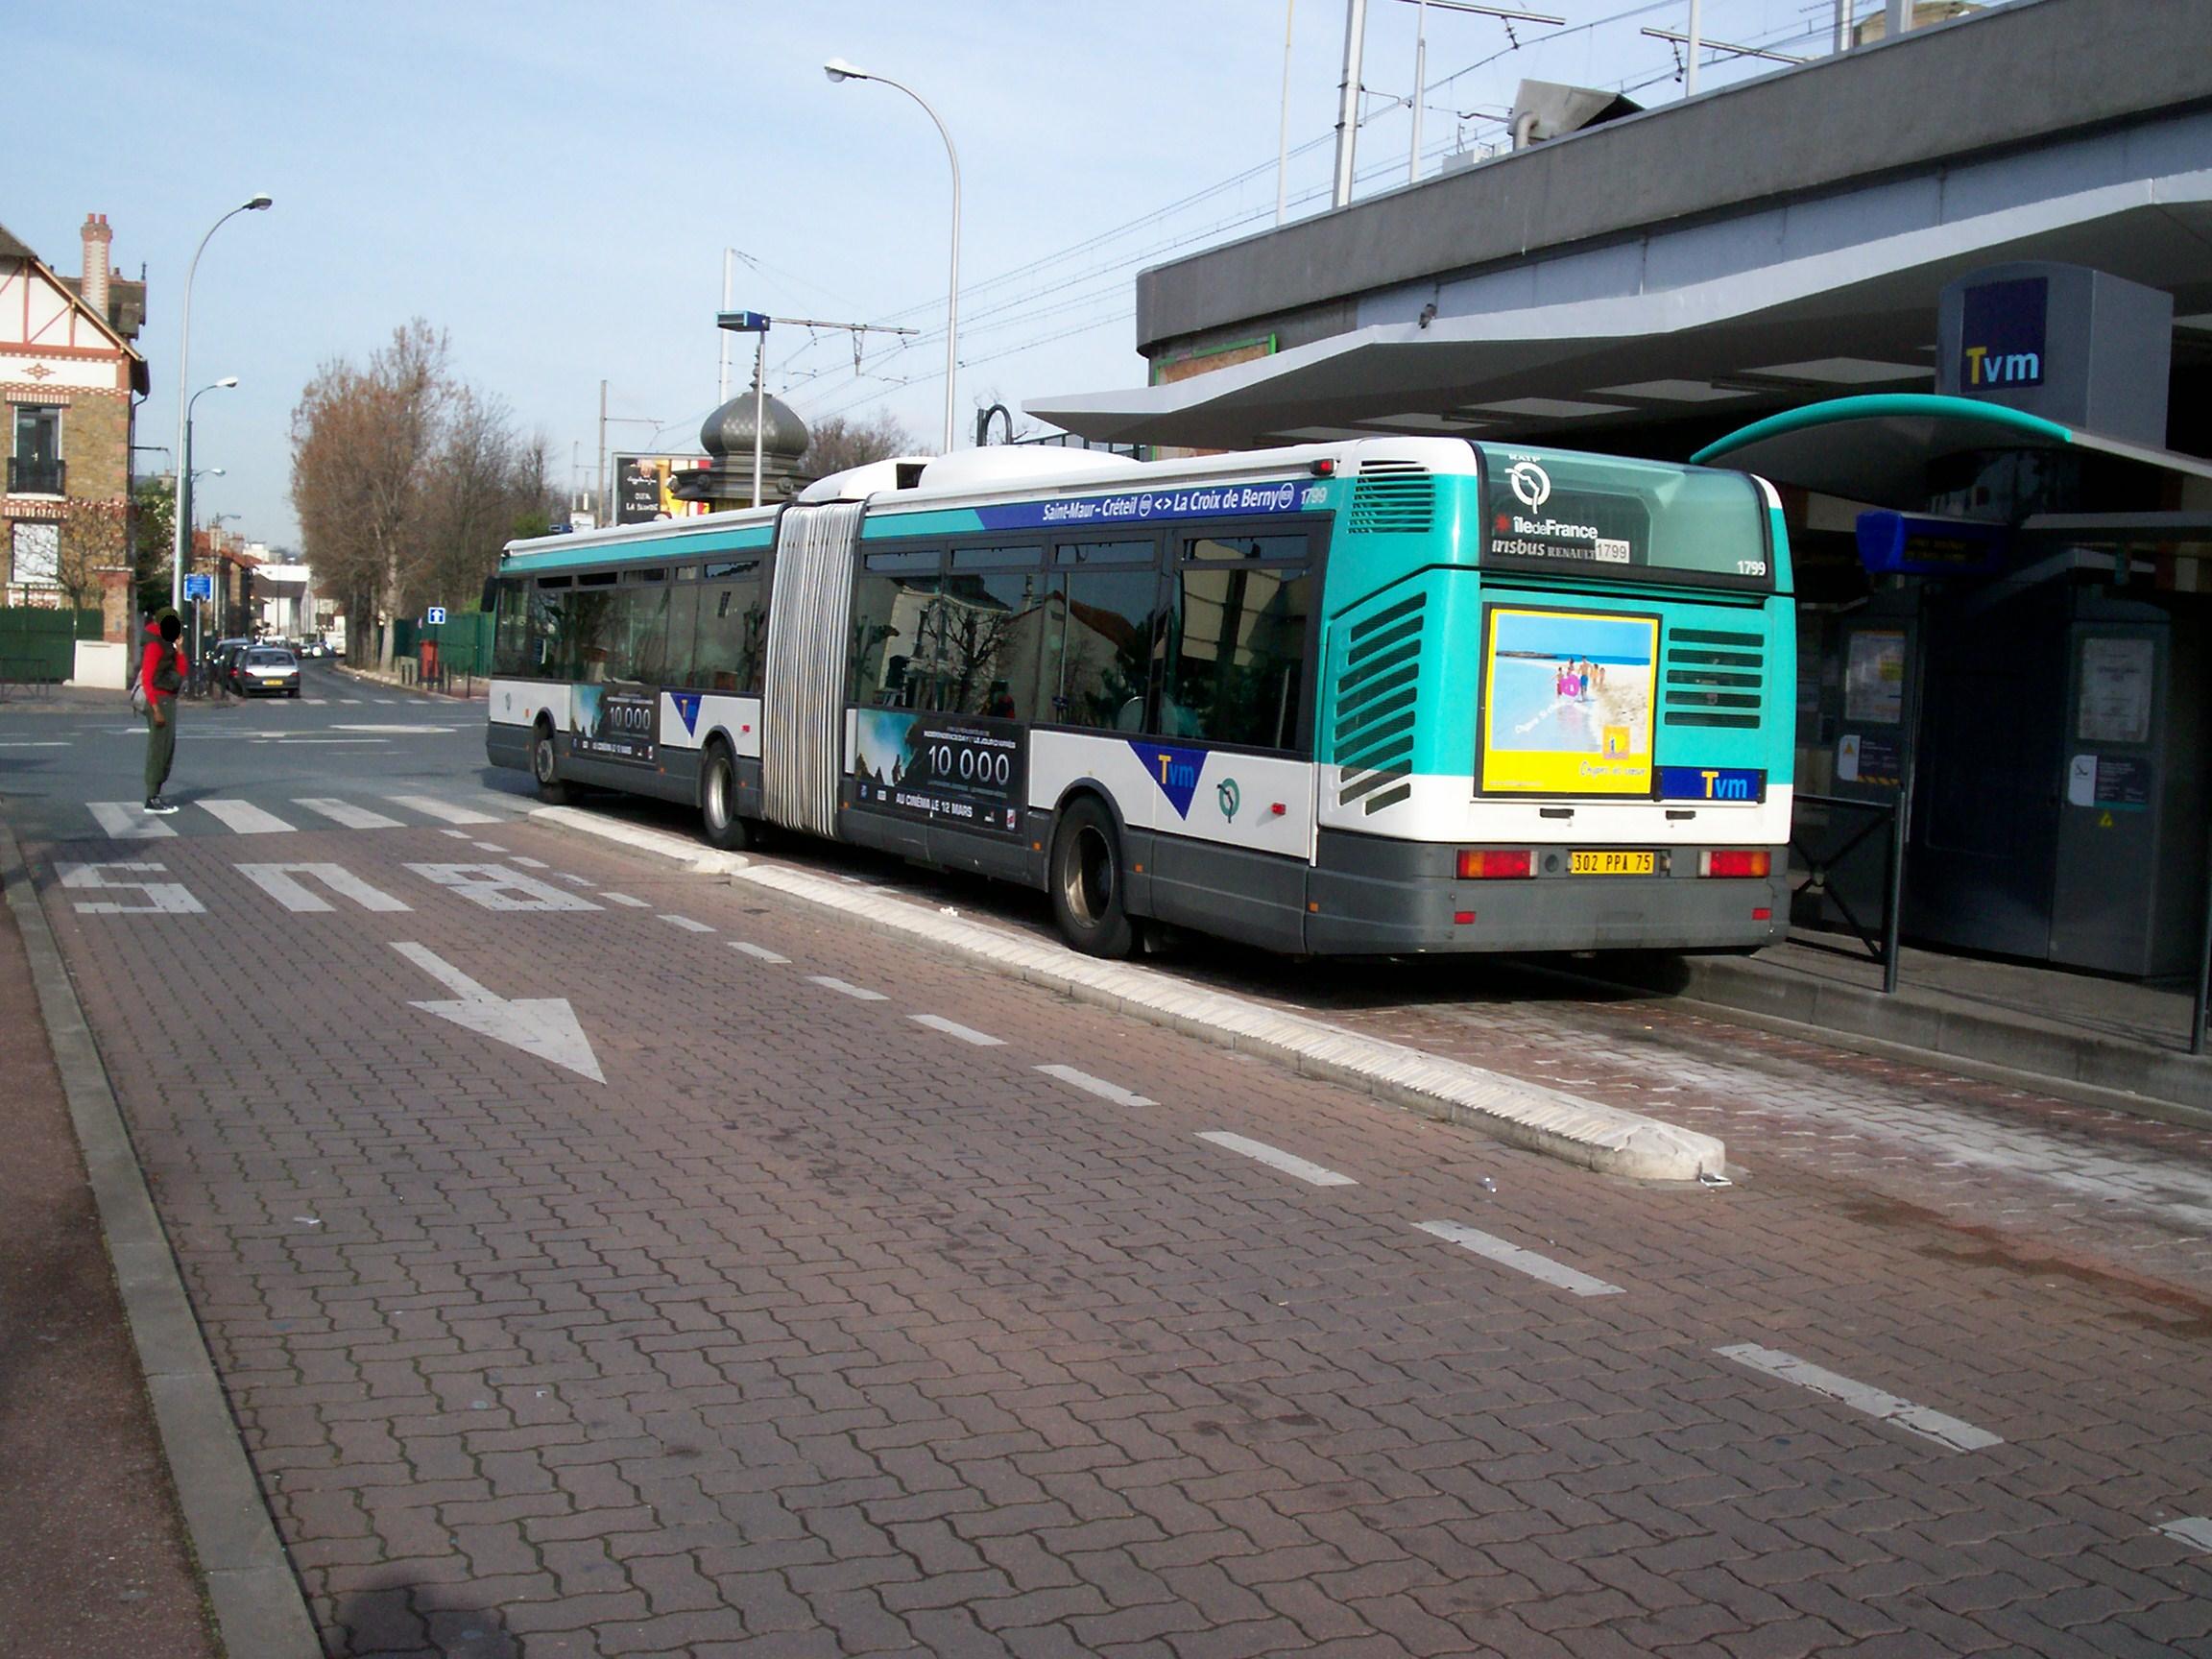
(945, 768)
(621, 723)
(1567, 700)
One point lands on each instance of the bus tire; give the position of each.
(1084, 876)
(718, 820)
(545, 766)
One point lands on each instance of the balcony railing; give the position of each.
(30, 476)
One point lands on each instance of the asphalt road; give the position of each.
(605, 1259)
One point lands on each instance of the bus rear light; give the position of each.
(1762, 914)
(1491, 866)
(1736, 862)
(1325, 467)
(1462, 918)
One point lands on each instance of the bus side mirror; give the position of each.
(491, 600)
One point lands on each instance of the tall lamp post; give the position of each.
(183, 501)
(837, 69)
(184, 378)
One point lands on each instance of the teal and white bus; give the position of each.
(1383, 696)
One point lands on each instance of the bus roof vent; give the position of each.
(1396, 497)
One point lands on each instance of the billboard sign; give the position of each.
(642, 488)
(1567, 700)
(954, 769)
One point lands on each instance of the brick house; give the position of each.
(70, 379)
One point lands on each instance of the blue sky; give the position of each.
(554, 183)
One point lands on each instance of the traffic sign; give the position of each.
(200, 585)
(434, 615)
(742, 321)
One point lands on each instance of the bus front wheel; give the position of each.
(546, 767)
(718, 818)
(1085, 875)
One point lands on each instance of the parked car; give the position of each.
(267, 669)
(317, 648)
(219, 656)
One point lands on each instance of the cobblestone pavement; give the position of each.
(817, 1329)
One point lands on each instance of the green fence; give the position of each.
(38, 645)
(464, 642)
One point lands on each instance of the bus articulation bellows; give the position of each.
(1383, 696)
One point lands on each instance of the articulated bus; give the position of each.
(1377, 697)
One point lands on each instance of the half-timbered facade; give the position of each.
(70, 379)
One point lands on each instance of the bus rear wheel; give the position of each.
(1085, 878)
(718, 819)
(545, 766)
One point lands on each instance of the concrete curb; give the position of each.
(260, 1612)
(1582, 1132)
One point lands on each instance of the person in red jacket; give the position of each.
(162, 667)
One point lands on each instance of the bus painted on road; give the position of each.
(1383, 696)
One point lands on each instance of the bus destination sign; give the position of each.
(1256, 500)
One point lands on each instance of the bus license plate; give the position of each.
(1610, 864)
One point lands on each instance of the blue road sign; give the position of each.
(434, 615)
(200, 585)
(742, 321)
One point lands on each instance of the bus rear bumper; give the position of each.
(1370, 897)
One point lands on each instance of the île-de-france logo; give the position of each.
(1227, 797)
(1530, 484)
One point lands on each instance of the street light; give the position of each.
(182, 505)
(253, 204)
(837, 69)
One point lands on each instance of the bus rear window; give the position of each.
(1638, 520)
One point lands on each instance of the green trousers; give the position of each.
(161, 746)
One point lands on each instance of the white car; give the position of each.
(268, 670)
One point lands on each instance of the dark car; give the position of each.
(217, 658)
(270, 669)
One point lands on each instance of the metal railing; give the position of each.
(29, 475)
(1881, 817)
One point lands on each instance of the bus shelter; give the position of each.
(2002, 733)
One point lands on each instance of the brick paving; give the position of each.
(813, 1331)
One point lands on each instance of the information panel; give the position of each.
(954, 769)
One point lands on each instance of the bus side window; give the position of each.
(896, 633)
(1106, 621)
(725, 657)
(990, 630)
(1235, 653)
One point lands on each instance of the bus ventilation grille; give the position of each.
(1392, 496)
(1713, 679)
(1375, 700)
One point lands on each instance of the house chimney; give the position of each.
(94, 286)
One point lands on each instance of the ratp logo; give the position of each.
(1227, 797)
(1530, 484)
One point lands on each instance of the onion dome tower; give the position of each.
(726, 437)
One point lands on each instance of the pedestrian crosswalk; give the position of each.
(129, 821)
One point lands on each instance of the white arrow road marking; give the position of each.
(542, 1025)
(1945, 1431)
(2194, 1531)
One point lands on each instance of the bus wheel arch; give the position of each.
(1085, 875)
(546, 762)
(718, 819)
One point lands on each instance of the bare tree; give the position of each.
(92, 539)
(836, 443)
(362, 442)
